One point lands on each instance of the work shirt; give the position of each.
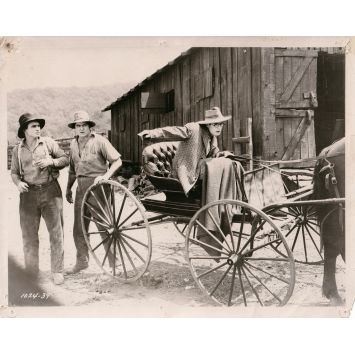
(92, 160)
(45, 148)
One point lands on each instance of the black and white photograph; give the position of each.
(164, 176)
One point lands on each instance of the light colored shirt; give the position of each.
(92, 160)
(45, 148)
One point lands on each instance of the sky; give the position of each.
(87, 61)
(39, 62)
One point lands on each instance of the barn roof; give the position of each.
(173, 62)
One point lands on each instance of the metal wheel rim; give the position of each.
(258, 213)
(142, 211)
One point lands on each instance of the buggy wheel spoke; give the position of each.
(219, 230)
(107, 218)
(134, 239)
(229, 221)
(314, 230)
(107, 251)
(93, 219)
(262, 284)
(134, 251)
(261, 246)
(242, 287)
(252, 236)
(267, 259)
(121, 209)
(122, 260)
(268, 273)
(112, 197)
(211, 235)
(290, 231)
(114, 257)
(296, 236)
(304, 243)
(198, 242)
(314, 243)
(241, 231)
(89, 233)
(221, 279)
(232, 287)
(107, 203)
(288, 213)
(128, 256)
(296, 210)
(103, 241)
(92, 209)
(251, 286)
(127, 218)
(211, 270)
(314, 223)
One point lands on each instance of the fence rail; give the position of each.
(64, 143)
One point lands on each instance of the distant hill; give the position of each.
(56, 106)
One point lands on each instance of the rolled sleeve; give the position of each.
(108, 151)
(15, 169)
(71, 166)
(60, 159)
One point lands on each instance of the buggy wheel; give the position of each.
(181, 226)
(231, 258)
(301, 229)
(119, 248)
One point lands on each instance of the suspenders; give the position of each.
(46, 151)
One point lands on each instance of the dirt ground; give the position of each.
(168, 282)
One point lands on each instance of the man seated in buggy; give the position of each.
(195, 161)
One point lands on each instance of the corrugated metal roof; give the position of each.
(150, 77)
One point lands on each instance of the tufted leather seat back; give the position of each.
(158, 158)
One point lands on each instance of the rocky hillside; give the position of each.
(57, 104)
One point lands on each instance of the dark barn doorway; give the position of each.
(330, 114)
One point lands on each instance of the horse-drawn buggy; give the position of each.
(251, 259)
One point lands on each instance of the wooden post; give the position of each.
(250, 133)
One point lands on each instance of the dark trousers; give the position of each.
(82, 252)
(46, 202)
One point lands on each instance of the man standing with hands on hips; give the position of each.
(89, 154)
(34, 170)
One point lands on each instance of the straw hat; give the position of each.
(81, 117)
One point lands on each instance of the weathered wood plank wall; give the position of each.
(243, 82)
(205, 78)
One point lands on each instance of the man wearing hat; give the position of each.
(193, 160)
(34, 170)
(89, 154)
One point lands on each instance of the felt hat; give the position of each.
(25, 119)
(214, 115)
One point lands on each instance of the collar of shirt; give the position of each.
(24, 144)
(92, 135)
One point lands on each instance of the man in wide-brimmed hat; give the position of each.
(89, 154)
(195, 153)
(35, 168)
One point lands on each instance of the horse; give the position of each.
(329, 182)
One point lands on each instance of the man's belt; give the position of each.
(40, 186)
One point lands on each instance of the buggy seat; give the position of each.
(157, 164)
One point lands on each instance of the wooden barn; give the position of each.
(295, 97)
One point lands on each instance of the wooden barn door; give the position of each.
(295, 101)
